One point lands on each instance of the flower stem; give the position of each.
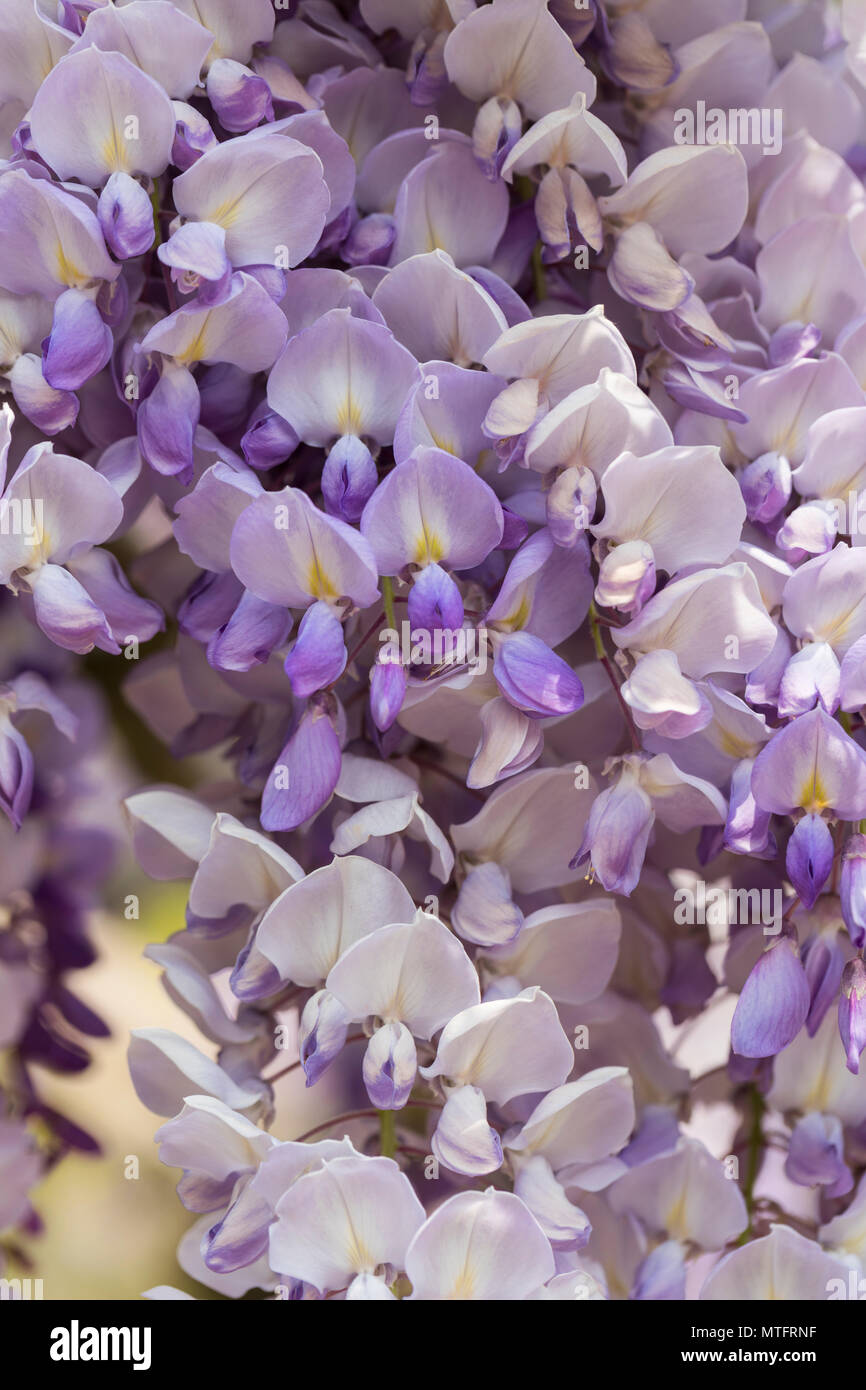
(602, 656)
(387, 1133)
(755, 1145)
(388, 600)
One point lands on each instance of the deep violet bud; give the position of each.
(125, 216)
(766, 486)
(809, 857)
(852, 1012)
(192, 136)
(617, 834)
(319, 654)
(852, 889)
(533, 678)
(240, 97)
(434, 601)
(774, 1002)
(349, 478)
(269, 439)
(388, 683)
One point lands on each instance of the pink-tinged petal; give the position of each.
(49, 410)
(266, 191)
(484, 912)
(781, 405)
(572, 136)
(570, 950)
(170, 832)
(582, 1122)
(342, 376)
(313, 129)
(507, 1048)
(642, 271)
(833, 464)
(626, 577)
(562, 351)
(681, 800)
(165, 1069)
(812, 272)
(484, 1246)
(682, 501)
(79, 344)
(774, 1002)
(30, 45)
(516, 48)
(438, 311)
(662, 699)
(713, 620)
(236, 29)
(288, 552)
(811, 764)
(825, 599)
(347, 1217)
(694, 197)
(509, 743)
(430, 213)
(812, 98)
(130, 121)
(463, 1140)
(590, 427)
(69, 504)
(199, 249)
(782, 1265)
(128, 614)
(432, 509)
(415, 972)
(158, 37)
(53, 241)
(304, 776)
(312, 923)
(66, 613)
(686, 1194)
(247, 329)
(564, 1224)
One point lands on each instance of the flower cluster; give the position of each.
(469, 400)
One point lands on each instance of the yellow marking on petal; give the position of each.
(68, 273)
(813, 794)
(429, 549)
(735, 747)
(446, 445)
(318, 584)
(227, 213)
(349, 416)
(198, 348)
(114, 153)
(463, 1286)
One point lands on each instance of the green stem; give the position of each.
(845, 721)
(387, 1133)
(154, 203)
(388, 601)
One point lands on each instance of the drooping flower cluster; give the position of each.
(472, 397)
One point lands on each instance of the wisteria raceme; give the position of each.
(449, 420)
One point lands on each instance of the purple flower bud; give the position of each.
(617, 834)
(774, 1003)
(388, 683)
(823, 962)
(49, 410)
(192, 136)
(240, 97)
(533, 678)
(167, 421)
(349, 478)
(79, 344)
(125, 216)
(816, 1155)
(269, 439)
(435, 603)
(319, 654)
(370, 240)
(390, 1066)
(852, 889)
(852, 1012)
(809, 857)
(16, 773)
(766, 486)
(321, 1033)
